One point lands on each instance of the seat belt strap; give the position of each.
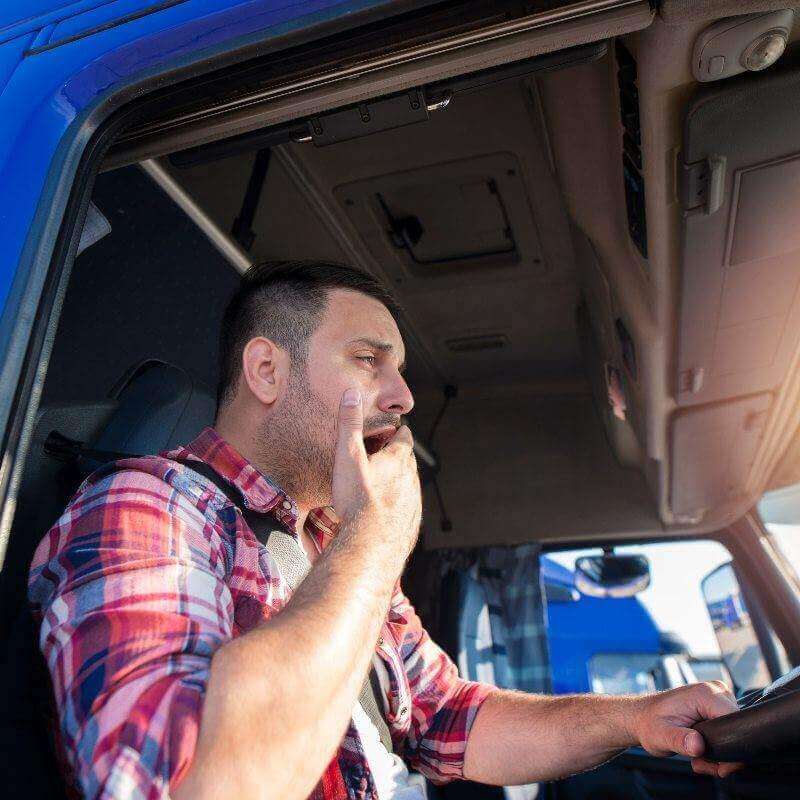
(294, 566)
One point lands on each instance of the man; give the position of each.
(184, 666)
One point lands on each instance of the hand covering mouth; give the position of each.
(373, 442)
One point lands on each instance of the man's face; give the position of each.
(356, 345)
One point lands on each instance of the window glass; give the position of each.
(780, 511)
(622, 673)
(656, 639)
(787, 538)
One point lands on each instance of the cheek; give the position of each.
(328, 387)
(328, 380)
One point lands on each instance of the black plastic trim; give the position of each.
(632, 159)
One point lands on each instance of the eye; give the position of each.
(368, 359)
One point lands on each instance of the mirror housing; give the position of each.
(612, 575)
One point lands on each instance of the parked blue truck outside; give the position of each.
(600, 644)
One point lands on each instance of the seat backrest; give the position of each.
(159, 406)
(155, 406)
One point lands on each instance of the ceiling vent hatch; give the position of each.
(448, 220)
(439, 223)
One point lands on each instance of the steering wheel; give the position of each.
(768, 728)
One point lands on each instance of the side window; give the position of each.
(780, 511)
(650, 631)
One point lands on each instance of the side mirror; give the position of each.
(738, 642)
(612, 575)
(559, 593)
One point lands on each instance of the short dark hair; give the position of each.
(284, 301)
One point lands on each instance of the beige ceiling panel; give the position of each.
(775, 296)
(533, 468)
(713, 450)
(493, 254)
(746, 347)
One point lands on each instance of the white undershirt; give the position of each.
(393, 781)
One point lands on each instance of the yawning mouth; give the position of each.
(374, 442)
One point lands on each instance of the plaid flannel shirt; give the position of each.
(148, 571)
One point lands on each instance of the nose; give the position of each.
(396, 398)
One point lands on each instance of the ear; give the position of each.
(264, 369)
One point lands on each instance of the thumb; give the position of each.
(350, 428)
(686, 742)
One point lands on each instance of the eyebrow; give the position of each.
(384, 347)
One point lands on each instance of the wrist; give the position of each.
(359, 513)
(634, 715)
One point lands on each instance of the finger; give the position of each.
(703, 766)
(729, 768)
(350, 430)
(686, 742)
(721, 689)
(716, 700)
(402, 441)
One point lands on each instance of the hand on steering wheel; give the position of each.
(666, 724)
(767, 729)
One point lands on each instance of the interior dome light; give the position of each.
(764, 51)
(748, 43)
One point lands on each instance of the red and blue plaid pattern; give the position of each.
(148, 571)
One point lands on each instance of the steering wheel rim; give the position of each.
(762, 731)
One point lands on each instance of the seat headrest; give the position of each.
(160, 407)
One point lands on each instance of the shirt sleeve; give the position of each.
(444, 706)
(129, 585)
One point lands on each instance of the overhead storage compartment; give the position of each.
(740, 308)
(715, 447)
(739, 322)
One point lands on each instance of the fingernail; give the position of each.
(351, 397)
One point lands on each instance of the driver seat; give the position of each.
(154, 406)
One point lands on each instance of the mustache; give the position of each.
(381, 421)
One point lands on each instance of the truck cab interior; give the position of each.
(588, 213)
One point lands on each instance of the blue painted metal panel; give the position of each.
(109, 14)
(49, 103)
(578, 631)
(11, 56)
(23, 16)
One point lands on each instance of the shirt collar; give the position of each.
(259, 492)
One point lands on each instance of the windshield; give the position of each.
(661, 637)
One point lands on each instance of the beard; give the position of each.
(297, 443)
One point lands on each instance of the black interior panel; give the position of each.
(154, 287)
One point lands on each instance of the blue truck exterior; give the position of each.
(581, 629)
